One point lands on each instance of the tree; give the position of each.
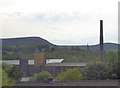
(115, 72)
(7, 67)
(52, 48)
(6, 81)
(69, 75)
(41, 77)
(100, 71)
(16, 73)
(13, 71)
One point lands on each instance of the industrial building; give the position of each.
(40, 63)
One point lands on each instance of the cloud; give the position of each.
(42, 17)
(60, 21)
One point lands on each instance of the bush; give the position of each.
(16, 73)
(69, 75)
(115, 72)
(13, 71)
(100, 71)
(7, 67)
(6, 81)
(41, 77)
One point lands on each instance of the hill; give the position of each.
(37, 40)
(24, 41)
(27, 45)
(107, 47)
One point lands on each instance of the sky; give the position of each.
(61, 22)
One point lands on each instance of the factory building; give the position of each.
(40, 63)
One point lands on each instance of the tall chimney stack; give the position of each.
(101, 41)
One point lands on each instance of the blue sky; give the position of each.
(62, 22)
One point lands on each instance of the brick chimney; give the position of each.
(101, 41)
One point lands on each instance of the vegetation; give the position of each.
(94, 70)
(12, 71)
(74, 56)
(71, 54)
(10, 74)
(7, 81)
(69, 75)
(100, 71)
(41, 77)
(16, 73)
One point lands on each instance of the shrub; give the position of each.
(13, 71)
(7, 67)
(6, 81)
(41, 77)
(99, 71)
(69, 75)
(115, 72)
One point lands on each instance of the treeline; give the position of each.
(82, 56)
(17, 52)
(71, 54)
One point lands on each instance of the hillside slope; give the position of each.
(24, 41)
(38, 40)
(107, 47)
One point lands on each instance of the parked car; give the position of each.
(50, 82)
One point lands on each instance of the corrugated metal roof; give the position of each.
(31, 62)
(66, 64)
(54, 61)
(13, 62)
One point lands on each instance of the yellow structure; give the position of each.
(39, 58)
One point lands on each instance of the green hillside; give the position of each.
(14, 49)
